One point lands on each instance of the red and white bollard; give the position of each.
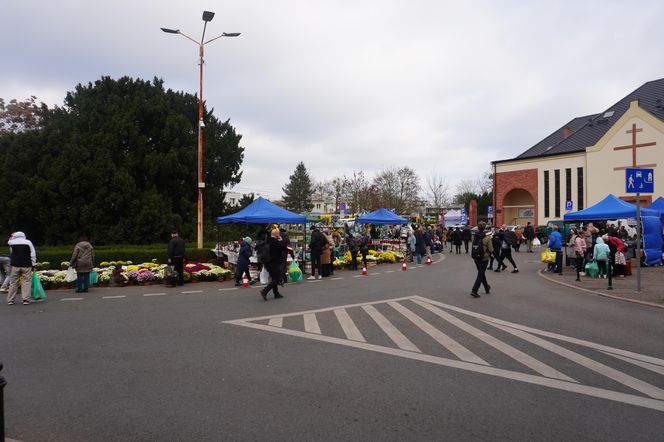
(428, 260)
(364, 270)
(245, 281)
(403, 266)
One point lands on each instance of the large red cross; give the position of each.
(634, 146)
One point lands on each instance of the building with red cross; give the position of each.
(584, 160)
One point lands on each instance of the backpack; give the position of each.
(263, 251)
(478, 248)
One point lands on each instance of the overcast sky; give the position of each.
(440, 86)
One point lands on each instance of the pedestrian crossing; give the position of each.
(422, 329)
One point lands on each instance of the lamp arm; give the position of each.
(218, 37)
(189, 38)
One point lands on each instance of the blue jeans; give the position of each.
(82, 281)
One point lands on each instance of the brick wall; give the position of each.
(507, 181)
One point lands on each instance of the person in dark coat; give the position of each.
(529, 235)
(456, 238)
(243, 261)
(275, 265)
(364, 247)
(316, 244)
(495, 245)
(353, 247)
(507, 241)
(466, 235)
(420, 246)
(289, 251)
(176, 258)
(83, 260)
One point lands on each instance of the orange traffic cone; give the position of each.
(364, 270)
(428, 260)
(403, 266)
(245, 281)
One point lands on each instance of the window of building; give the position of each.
(579, 179)
(556, 184)
(546, 194)
(568, 184)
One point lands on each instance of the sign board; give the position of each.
(342, 206)
(639, 180)
(464, 219)
(489, 211)
(569, 205)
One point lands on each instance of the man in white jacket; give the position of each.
(23, 259)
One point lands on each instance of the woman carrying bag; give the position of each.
(83, 260)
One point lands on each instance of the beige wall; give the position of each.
(602, 158)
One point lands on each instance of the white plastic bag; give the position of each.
(536, 243)
(71, 275)
(264, 276)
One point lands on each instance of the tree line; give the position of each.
(117, 161)
(397, 188)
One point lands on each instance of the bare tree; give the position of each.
(437, 190)
(356, 191)
(398, 189)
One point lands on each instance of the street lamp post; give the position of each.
(207, 17)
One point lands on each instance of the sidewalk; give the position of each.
(652, 285)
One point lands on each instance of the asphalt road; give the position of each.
(389, 356)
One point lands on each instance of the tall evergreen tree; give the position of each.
(297, 193)
(117, 161)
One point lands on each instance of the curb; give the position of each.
(594, 292)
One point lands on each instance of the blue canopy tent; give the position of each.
(613, 207)
(658, 205)
(261, 211)
(381, 216)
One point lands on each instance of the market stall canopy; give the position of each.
(261, 211)
(658, 205)
(610, 207)
(454, 216)
(381, 216)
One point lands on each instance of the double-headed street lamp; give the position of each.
(207, 17)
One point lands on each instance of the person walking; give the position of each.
(353, 247)
(316, 244)
(428, 241)
(5, 269)
(482, 250)
(274, 265)
(495, 244)
(507, 241)
(519, 238)
(420, 247)
(411, 244)
(556, 245)
(326, 255)
(579, 252)
(529, 235)
(83, 261)
(456, 237)
(244, 261)
(23, 259)
(466, 236)
(176, 249)
(601, 254)
(364, 247)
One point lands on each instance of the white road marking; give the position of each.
(114, 297)
(311, 324)
(276, 322)
(647, 365)
(336, 279)
(624, 398)
(453, 346)
(390, 330)
(357, 276)
(389, 271)
(350, 329)
(71, 299)
(600, 347)
(507, 349)
(191, 291)
(226, 289)
(374, 274)
(598, 367)
(154, 294)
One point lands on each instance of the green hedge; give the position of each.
(133, 253)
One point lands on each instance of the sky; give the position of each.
(439, 86)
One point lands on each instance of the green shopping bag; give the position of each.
(294, 272)
(94, 277)
(37, 292)
(592, 269)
